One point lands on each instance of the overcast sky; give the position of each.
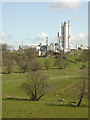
(30, 22)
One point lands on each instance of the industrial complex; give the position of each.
(62, 44)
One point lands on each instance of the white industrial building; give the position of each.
(64, 40)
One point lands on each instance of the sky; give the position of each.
(30, 22)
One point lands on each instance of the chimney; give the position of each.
(68, 23)
(58, 34)
(47, 41)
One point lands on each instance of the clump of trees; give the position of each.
(25, 59)
(31, 53)
(36, 85)
(7, 58)
(61, 62)
(22, 61)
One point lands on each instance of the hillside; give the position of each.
(65, 87)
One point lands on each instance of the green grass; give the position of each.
(12, 84)
(42, 60)
(27, 109)
(64, 85)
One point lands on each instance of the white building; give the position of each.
(65, 36)
(37, 47)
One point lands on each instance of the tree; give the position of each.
(60, 62)
(34, 65)
(26, 59)
(35, 86)
(22, 61)
(47, 64)
(84, 76)
(5, 46)
(31, 53)
(7, 60)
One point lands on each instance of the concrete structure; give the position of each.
(65, 36)
(56, 47)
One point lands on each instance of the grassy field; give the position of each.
(27, 109)
(64, 85)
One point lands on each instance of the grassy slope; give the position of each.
(64, 86)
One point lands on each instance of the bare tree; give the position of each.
(31, 53)
(34, 65)
(5, 46)
(7, 60)
(60, 62)
(84, 77)
(22, 61)
(26, 59)
(36, 86)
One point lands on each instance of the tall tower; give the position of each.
(65, 36)
(62, 34)
(58, 42)
(69, 34)
(47, 41)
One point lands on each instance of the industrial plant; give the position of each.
(62, 44)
